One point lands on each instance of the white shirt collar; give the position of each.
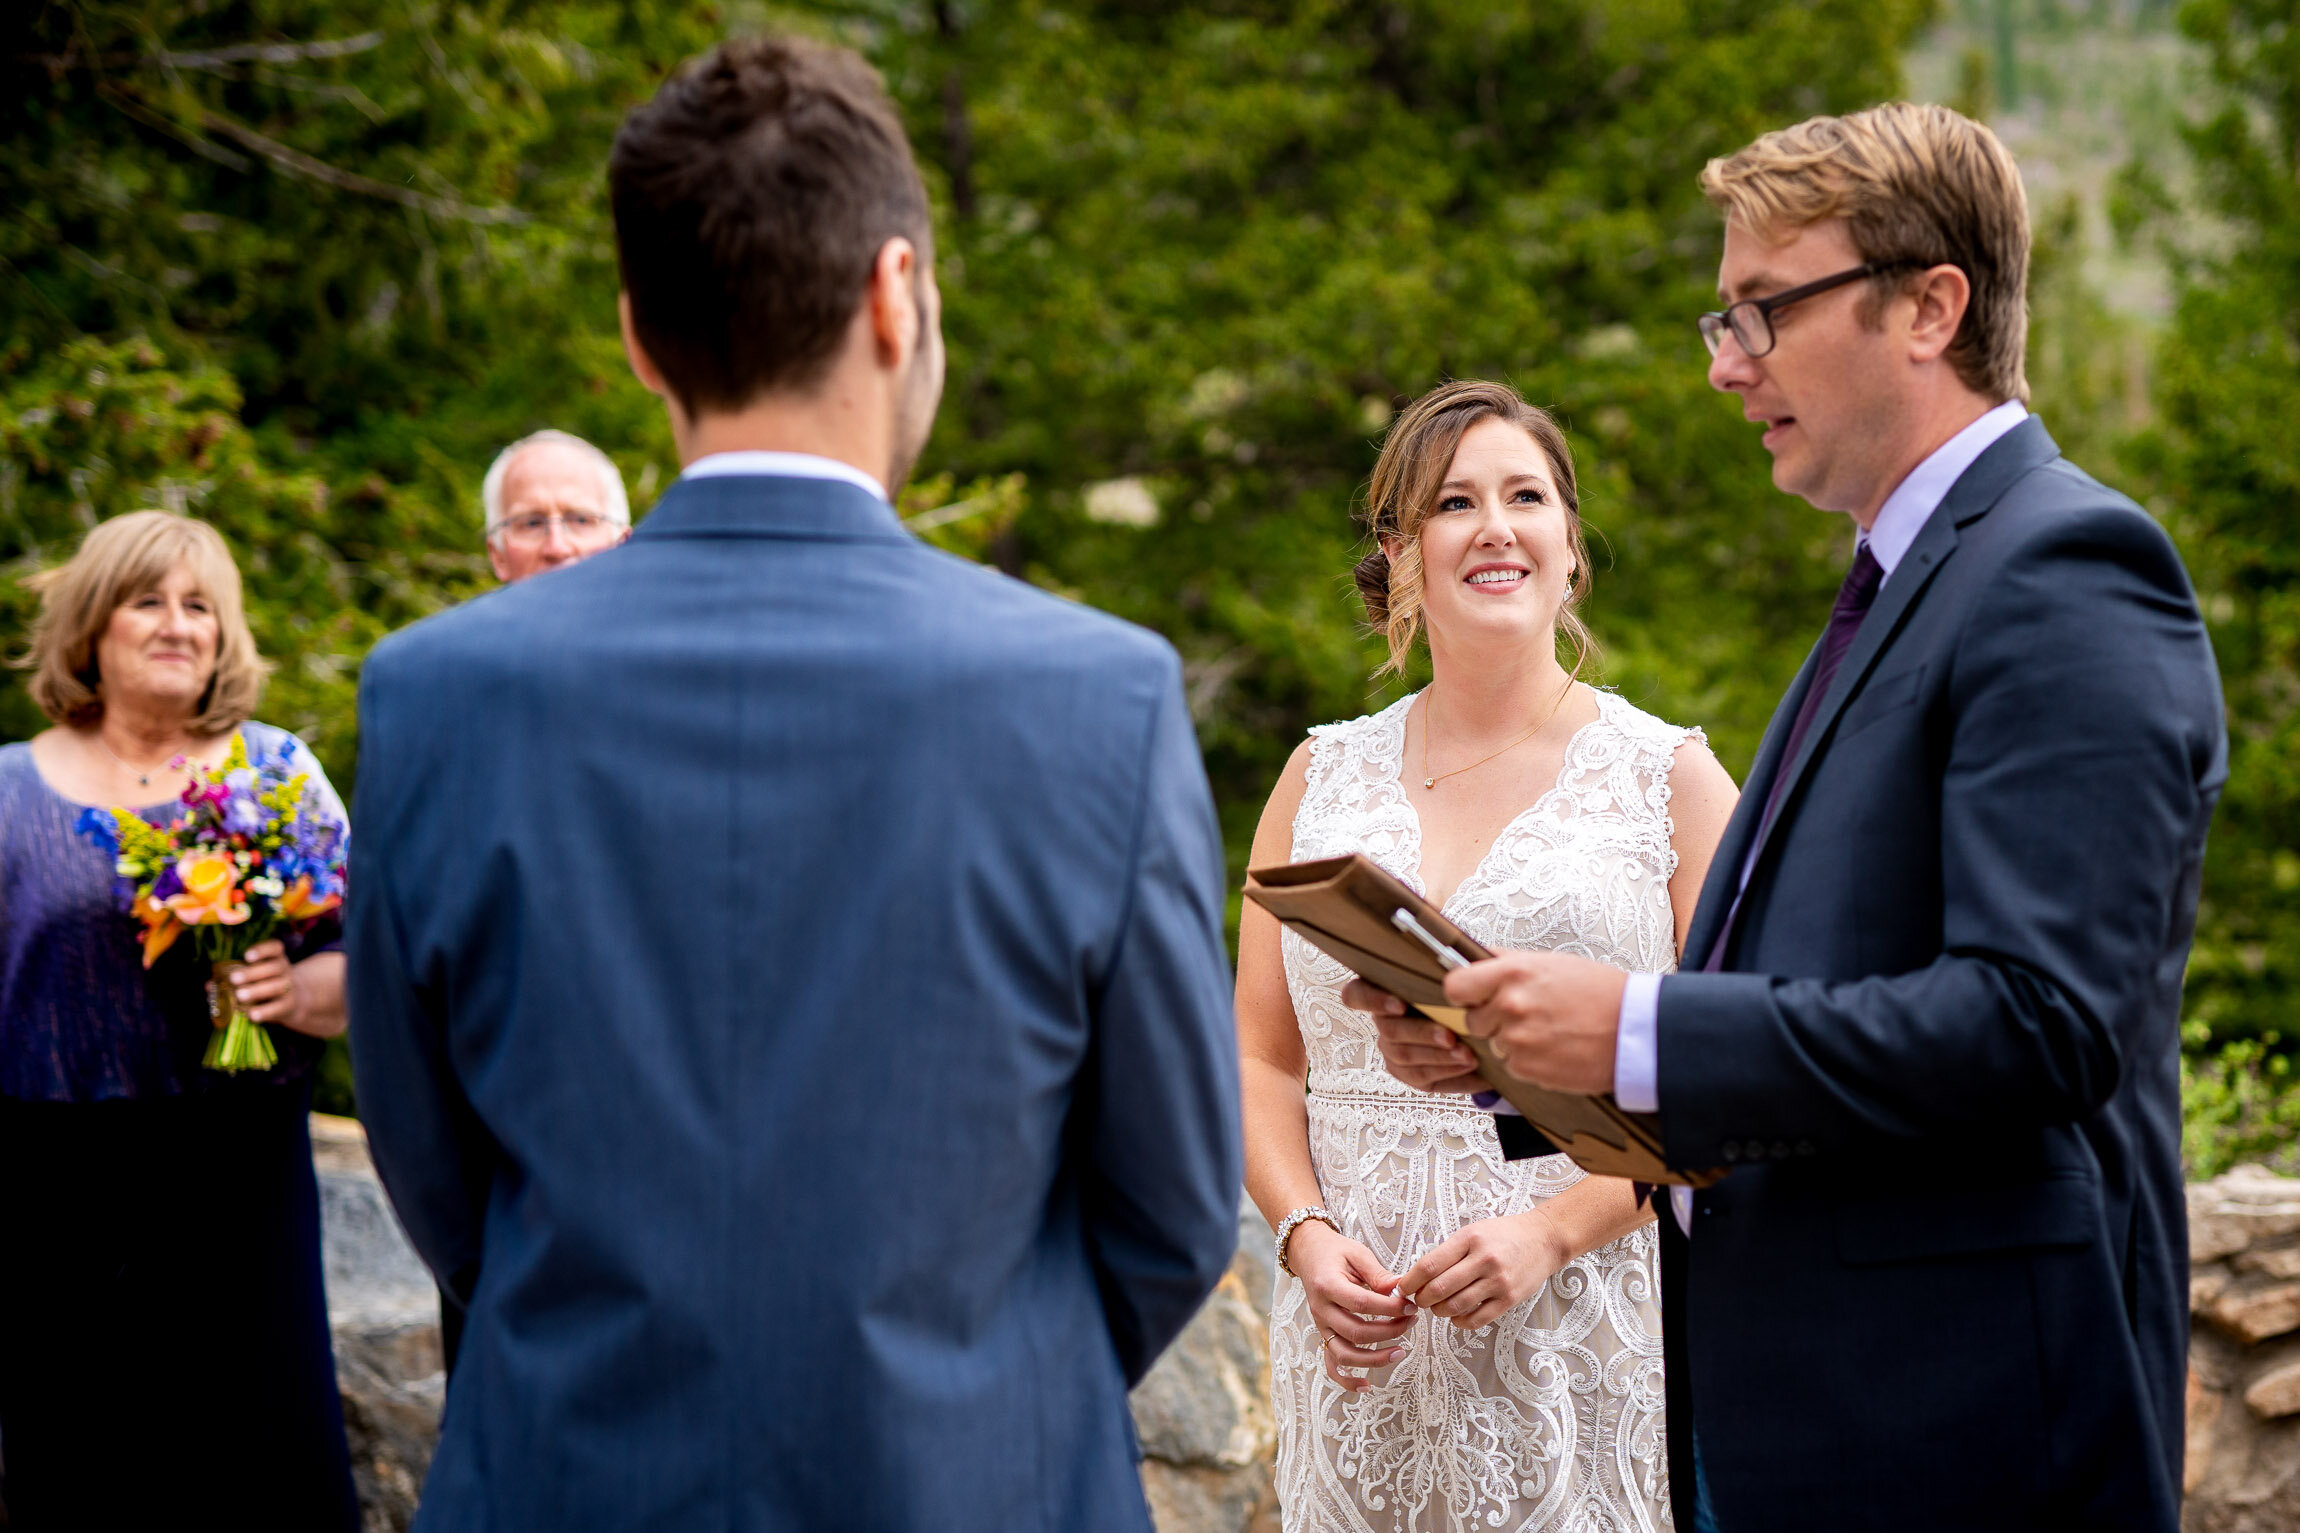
(1917, 497)
(781, 465)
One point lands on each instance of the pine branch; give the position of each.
(295, 162)
(210, 58)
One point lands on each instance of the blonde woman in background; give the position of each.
(1459, 1340)
(164, 1351)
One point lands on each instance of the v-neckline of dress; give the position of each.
(1419, 885)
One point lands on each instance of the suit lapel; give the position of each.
(2019, 450)
(1723, 880)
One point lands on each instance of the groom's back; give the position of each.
(779, 896)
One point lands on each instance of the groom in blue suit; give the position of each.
(789, 998)
(1929, 1005)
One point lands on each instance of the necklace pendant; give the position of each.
(145, 781)
(1429, 782)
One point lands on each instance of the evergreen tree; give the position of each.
(2223, 467)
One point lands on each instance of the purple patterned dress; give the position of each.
(164, 1351)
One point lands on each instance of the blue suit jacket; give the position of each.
(790, 1010)
(1946, 1283)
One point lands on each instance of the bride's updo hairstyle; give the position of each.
(1403, 491)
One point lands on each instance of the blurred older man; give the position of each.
(551, 499)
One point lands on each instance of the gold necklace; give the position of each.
(1430, 781)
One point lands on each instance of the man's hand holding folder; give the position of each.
(1532, 1008)
(1509, 1013)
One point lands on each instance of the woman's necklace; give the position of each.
(1431, 780)
(144, 774)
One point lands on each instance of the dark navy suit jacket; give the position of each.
(1945, 1284)
(791, 1012)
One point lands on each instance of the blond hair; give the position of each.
(119, 560)
(1916, 184)
(1415, 456)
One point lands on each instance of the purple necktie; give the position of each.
(1854, 599)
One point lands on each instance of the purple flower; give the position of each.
(320, 840)
(171, 883)
(242, 815)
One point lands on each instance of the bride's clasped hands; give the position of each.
(1484, 1270)
(1476, 1276)
(1354, 1304)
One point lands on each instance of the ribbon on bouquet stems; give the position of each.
(240, 1042)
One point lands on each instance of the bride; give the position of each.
(1459, 1341)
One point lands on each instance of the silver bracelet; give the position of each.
(1293, 1222)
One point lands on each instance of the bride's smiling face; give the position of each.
(1497, 547)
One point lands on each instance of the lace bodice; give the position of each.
(1549, 1419)
(1585, 869)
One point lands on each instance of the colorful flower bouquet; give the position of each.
(252, 854)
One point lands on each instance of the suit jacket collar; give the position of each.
(747, 506)
(2026, 447)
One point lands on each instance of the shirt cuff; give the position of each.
(1636, 1047)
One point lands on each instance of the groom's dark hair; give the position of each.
(751, 197)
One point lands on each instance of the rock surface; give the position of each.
(2243, 1473)
(1203, 1414)
(1209, 1445)
(385, 1315)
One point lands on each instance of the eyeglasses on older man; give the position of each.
(551, 499)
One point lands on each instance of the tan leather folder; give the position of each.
(1352, 910)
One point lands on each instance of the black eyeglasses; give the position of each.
(1751, 320)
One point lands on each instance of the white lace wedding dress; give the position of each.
(1551, 1418)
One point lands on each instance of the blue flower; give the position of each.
(99, 826)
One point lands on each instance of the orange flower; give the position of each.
(161, 929)
(209, 884)
(297, 904)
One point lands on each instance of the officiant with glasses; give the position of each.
(551, 499)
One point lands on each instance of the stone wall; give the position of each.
(2243, 1472)
(1203, 1414)
(385, 1315)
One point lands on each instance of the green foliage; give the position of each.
(2222, 465)
(99, 427)
(1212, 248)
(1209, 248)
(2238, 1104)
(362, 238)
